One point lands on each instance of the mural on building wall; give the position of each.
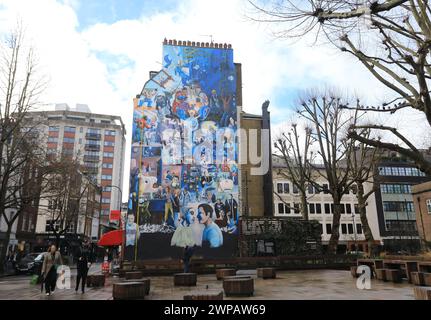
(184, 160)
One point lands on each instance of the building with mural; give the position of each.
(185, 180)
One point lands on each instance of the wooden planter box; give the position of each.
(394, 275)
(266, 273)
(418, 278)
(238, 287)
(422, 293)
(427, 279)
(185, 279)
(222, 273)
(96, 280)
(237, 277)
(129, 291)
(381, 274)
(133, 275)
(146, 282)
(205, 295)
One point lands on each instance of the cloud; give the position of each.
(106, 64)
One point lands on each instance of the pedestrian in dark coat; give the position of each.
(188, 253)
(83, 264)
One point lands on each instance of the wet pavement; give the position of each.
(289, 285)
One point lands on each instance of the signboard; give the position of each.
(115, 215)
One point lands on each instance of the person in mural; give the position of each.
(227, 112)
(132, 231)
(176, 204)
(231, 207)
(168, 217)
(212, 232)
(183, 235)
(210, 196)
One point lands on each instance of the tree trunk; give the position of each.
(364, 220)
(335, 235)
(4, 248)
(304, 206)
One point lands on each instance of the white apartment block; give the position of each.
(98, 141)
(287, 204)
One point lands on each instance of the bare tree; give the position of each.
(363, 163)
(401, 32)
(297, 158)
(330, 125)
(21, 158)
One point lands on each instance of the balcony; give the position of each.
(91, 158)
(92, 147)
(93, 136)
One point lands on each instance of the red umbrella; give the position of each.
(111, 238)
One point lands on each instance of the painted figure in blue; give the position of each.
(168, 61)
(184, 77)
(212, 232)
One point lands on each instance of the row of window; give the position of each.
(398, 206)
(311, 189)
(52, 225)
(107, 165)
(106, 177)
(106, 200)
(401, 171)
(346, 228)
(396, 188)
(68, 140)
(316, 208)
(89, 130)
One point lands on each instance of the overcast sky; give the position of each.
(99, 52)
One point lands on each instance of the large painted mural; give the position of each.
(184, 160)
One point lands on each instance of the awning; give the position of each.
(111, 238)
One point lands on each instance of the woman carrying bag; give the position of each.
(51, 262)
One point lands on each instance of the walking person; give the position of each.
(52, 260)
(82, 264)
(188, 253)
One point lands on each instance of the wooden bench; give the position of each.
(381, 274)
(237, 277)
(204, 295)
(394, 275)
(418, 278)
(96, 280)
(238, 287)
(422, 293)
(185, 279)
(133, 275)
(266, 273)
(147, 284)
(222, 273)
(427, 279)
(129, 291)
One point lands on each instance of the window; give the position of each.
(343, 208)
(357, 208)
(343, 229)
(429, 205)
(321, 228)
(105, 212)
(359, 228)
(52, 225)
(350, 228)
(310, 189)
(295, 189)
(68, 140)
(108, 154)
(69, 129)
(312, 208)
(402, 206)
(400, 171)
(396, 188)
(279, 188)
(325, 188)
(281, 208)
(52, 139)
(109, 132)
(54, 128)
(106, 200)
(348, 208)
(332, 208)
(81, 129)
(93, 130)
(107, 165)
(328, 228)
(287, 208)
(109, 143)
(318, 208)
(296, 208)
(327, 208)
(286, 187)
(106, 177)
(93, 142)
(92, 153)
